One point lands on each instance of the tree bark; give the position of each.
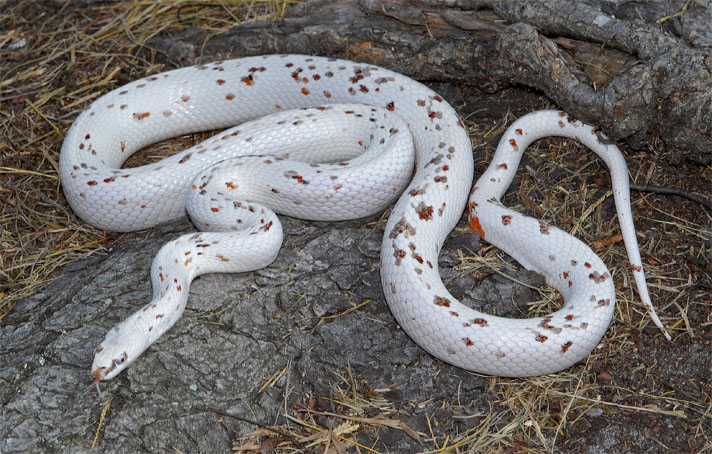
(610, 65)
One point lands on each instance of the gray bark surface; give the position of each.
(607, 63)
(238, 331)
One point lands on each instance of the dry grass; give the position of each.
(77, 51)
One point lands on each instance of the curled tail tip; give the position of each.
(656, 320)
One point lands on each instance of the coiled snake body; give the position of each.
(346, 156)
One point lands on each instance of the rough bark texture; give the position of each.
(607, 63)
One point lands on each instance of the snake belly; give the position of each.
(227, 93)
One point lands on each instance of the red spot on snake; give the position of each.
(142, 115)
(566, 346)
(229, 184)
(502, 166)
(636, 268)
(480, 322)
(305, 91)
(390, 106)
(569, 317)
(476, 227)
(518, 131)
(513, 142)
(92, 183)
(440, 301)
(425, 212)
(161, 315)
(247, 80)
(229, 96)
(215, 210)
(541, 338)
(506, 219)
(468, 342)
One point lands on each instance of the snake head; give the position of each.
(106, 366)
(115, 353)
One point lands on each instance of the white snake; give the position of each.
(334, 181)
